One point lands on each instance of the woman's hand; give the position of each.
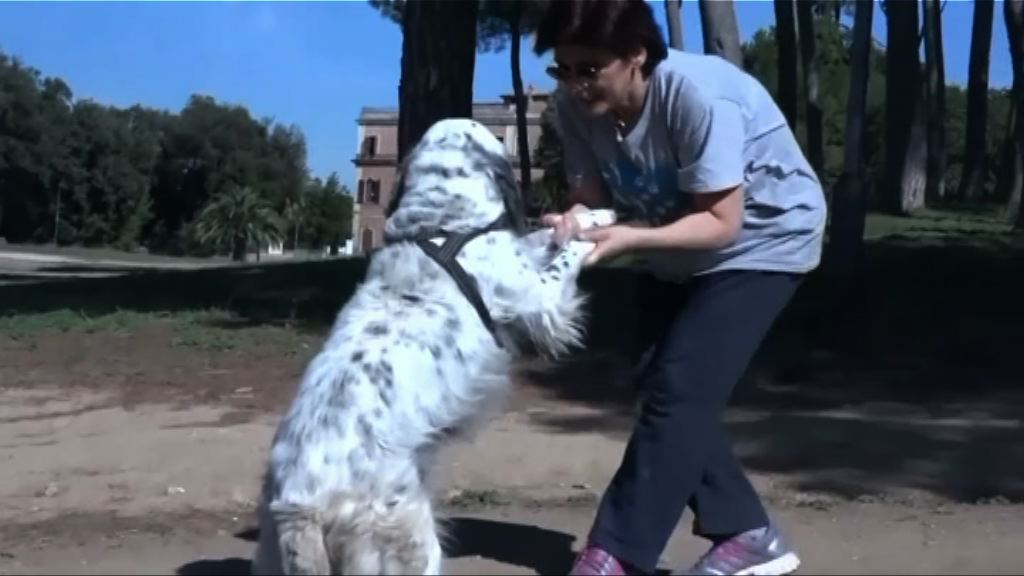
(566, 225)
(611, 241)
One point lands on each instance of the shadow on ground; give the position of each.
(538, 549)
(222, 567)
(908, 377)
(908, 380)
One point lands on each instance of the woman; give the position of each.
(716, 194)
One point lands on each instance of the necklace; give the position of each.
(620, 129)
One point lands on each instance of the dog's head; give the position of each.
(456, 179)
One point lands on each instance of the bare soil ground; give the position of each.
(136, 447)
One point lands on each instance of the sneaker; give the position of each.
(761, 552)
(594, 561)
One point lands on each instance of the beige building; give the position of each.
(377, 157)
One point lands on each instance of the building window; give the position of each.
(361, 194)
(370, 146)
(373, 191)
(366, 243)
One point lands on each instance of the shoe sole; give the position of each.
(785, 564)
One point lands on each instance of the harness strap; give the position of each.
(445, 256)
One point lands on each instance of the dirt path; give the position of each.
(130, 455)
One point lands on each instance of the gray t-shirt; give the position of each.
(706, 126)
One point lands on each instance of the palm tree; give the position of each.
(236, 219)
(294, 214)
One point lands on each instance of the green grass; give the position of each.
(979, 229)
(210, 330)
(941, 287)
(22, 326)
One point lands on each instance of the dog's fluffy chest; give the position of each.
(406, 360)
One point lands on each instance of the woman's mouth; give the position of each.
(586, 97)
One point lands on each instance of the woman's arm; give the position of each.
(715, 223)
(709, 136)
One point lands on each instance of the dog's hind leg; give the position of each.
(411, 534)
(301, 539)
(266, 558)
(399, 538)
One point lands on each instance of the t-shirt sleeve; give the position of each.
(709, 143)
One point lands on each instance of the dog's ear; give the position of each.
(398, 189)
(511, 192)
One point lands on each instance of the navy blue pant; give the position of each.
(678, 454)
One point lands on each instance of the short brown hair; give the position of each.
(619, 26)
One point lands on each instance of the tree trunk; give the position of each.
(238, 249)
(972, 178)
(914, 180)
(56, 219)
(903, 97)
(673, 15)
(721, 32)
(785, 33)
(522, 105)
(1013, 12)
(1012, 180)
(1006, 168)
(849, 199)
(936, 101)
(438, 60)
(809, 59)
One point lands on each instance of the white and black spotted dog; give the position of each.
(422, 349)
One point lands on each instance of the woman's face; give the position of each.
(598, 79)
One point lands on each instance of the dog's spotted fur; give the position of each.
(408, 361)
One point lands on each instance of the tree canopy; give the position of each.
(82, 172)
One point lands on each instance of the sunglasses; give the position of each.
(564, 73)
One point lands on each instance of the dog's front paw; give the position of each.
(570, 259)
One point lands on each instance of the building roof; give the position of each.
(502, 112)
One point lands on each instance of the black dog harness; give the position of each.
(445, 255)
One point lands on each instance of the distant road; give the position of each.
(35, 263)
(26, 266)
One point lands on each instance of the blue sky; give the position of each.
(313, 64)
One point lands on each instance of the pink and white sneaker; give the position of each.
(762, 552)
(594, 561)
